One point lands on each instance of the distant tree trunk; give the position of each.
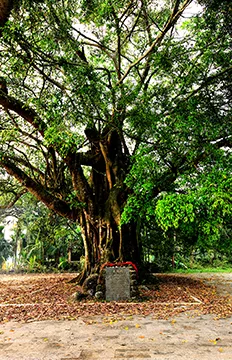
(5, 8)
(69, 255)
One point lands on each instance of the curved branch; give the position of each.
(25, 162)
(38, 190)
(27, 113)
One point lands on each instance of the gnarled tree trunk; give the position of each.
(104, 196)
(87, 187)
(105, 242)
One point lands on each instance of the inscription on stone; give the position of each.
(117, 281)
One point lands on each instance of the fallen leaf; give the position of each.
(137, 326)
(213, 341)
(36, 302)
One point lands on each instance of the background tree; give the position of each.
(46, 239)
(107, 105)
(203, 212)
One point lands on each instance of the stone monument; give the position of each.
(117, 283)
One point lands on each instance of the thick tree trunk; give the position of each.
(104, 196)
(95, 198)
(105, 242)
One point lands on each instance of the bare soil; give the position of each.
(192, 326)
(222, 281)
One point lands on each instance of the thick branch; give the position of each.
(35, 188)
(25, 162)
(80, 184)
(9, 103)
(107, 163)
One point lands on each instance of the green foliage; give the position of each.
(100, 12)
(135, 69)
(45, 238)
(62, 139)
(207, 205)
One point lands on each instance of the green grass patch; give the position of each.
(202, 270)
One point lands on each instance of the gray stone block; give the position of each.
(117, 281)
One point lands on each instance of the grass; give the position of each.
(203, 270)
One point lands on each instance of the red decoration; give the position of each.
(108, 264)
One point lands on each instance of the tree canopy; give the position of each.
(107, 107)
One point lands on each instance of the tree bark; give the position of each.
(105, 242)
(105, 195)
(5, 9)
(99, 199)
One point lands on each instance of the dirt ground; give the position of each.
(222, 281)
(190, 335)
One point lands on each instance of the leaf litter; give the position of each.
(48, 296)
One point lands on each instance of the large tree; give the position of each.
(97, 92)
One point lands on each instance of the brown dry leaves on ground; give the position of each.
(48, 296)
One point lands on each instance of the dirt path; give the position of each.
(186, 336)
(222, 281)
